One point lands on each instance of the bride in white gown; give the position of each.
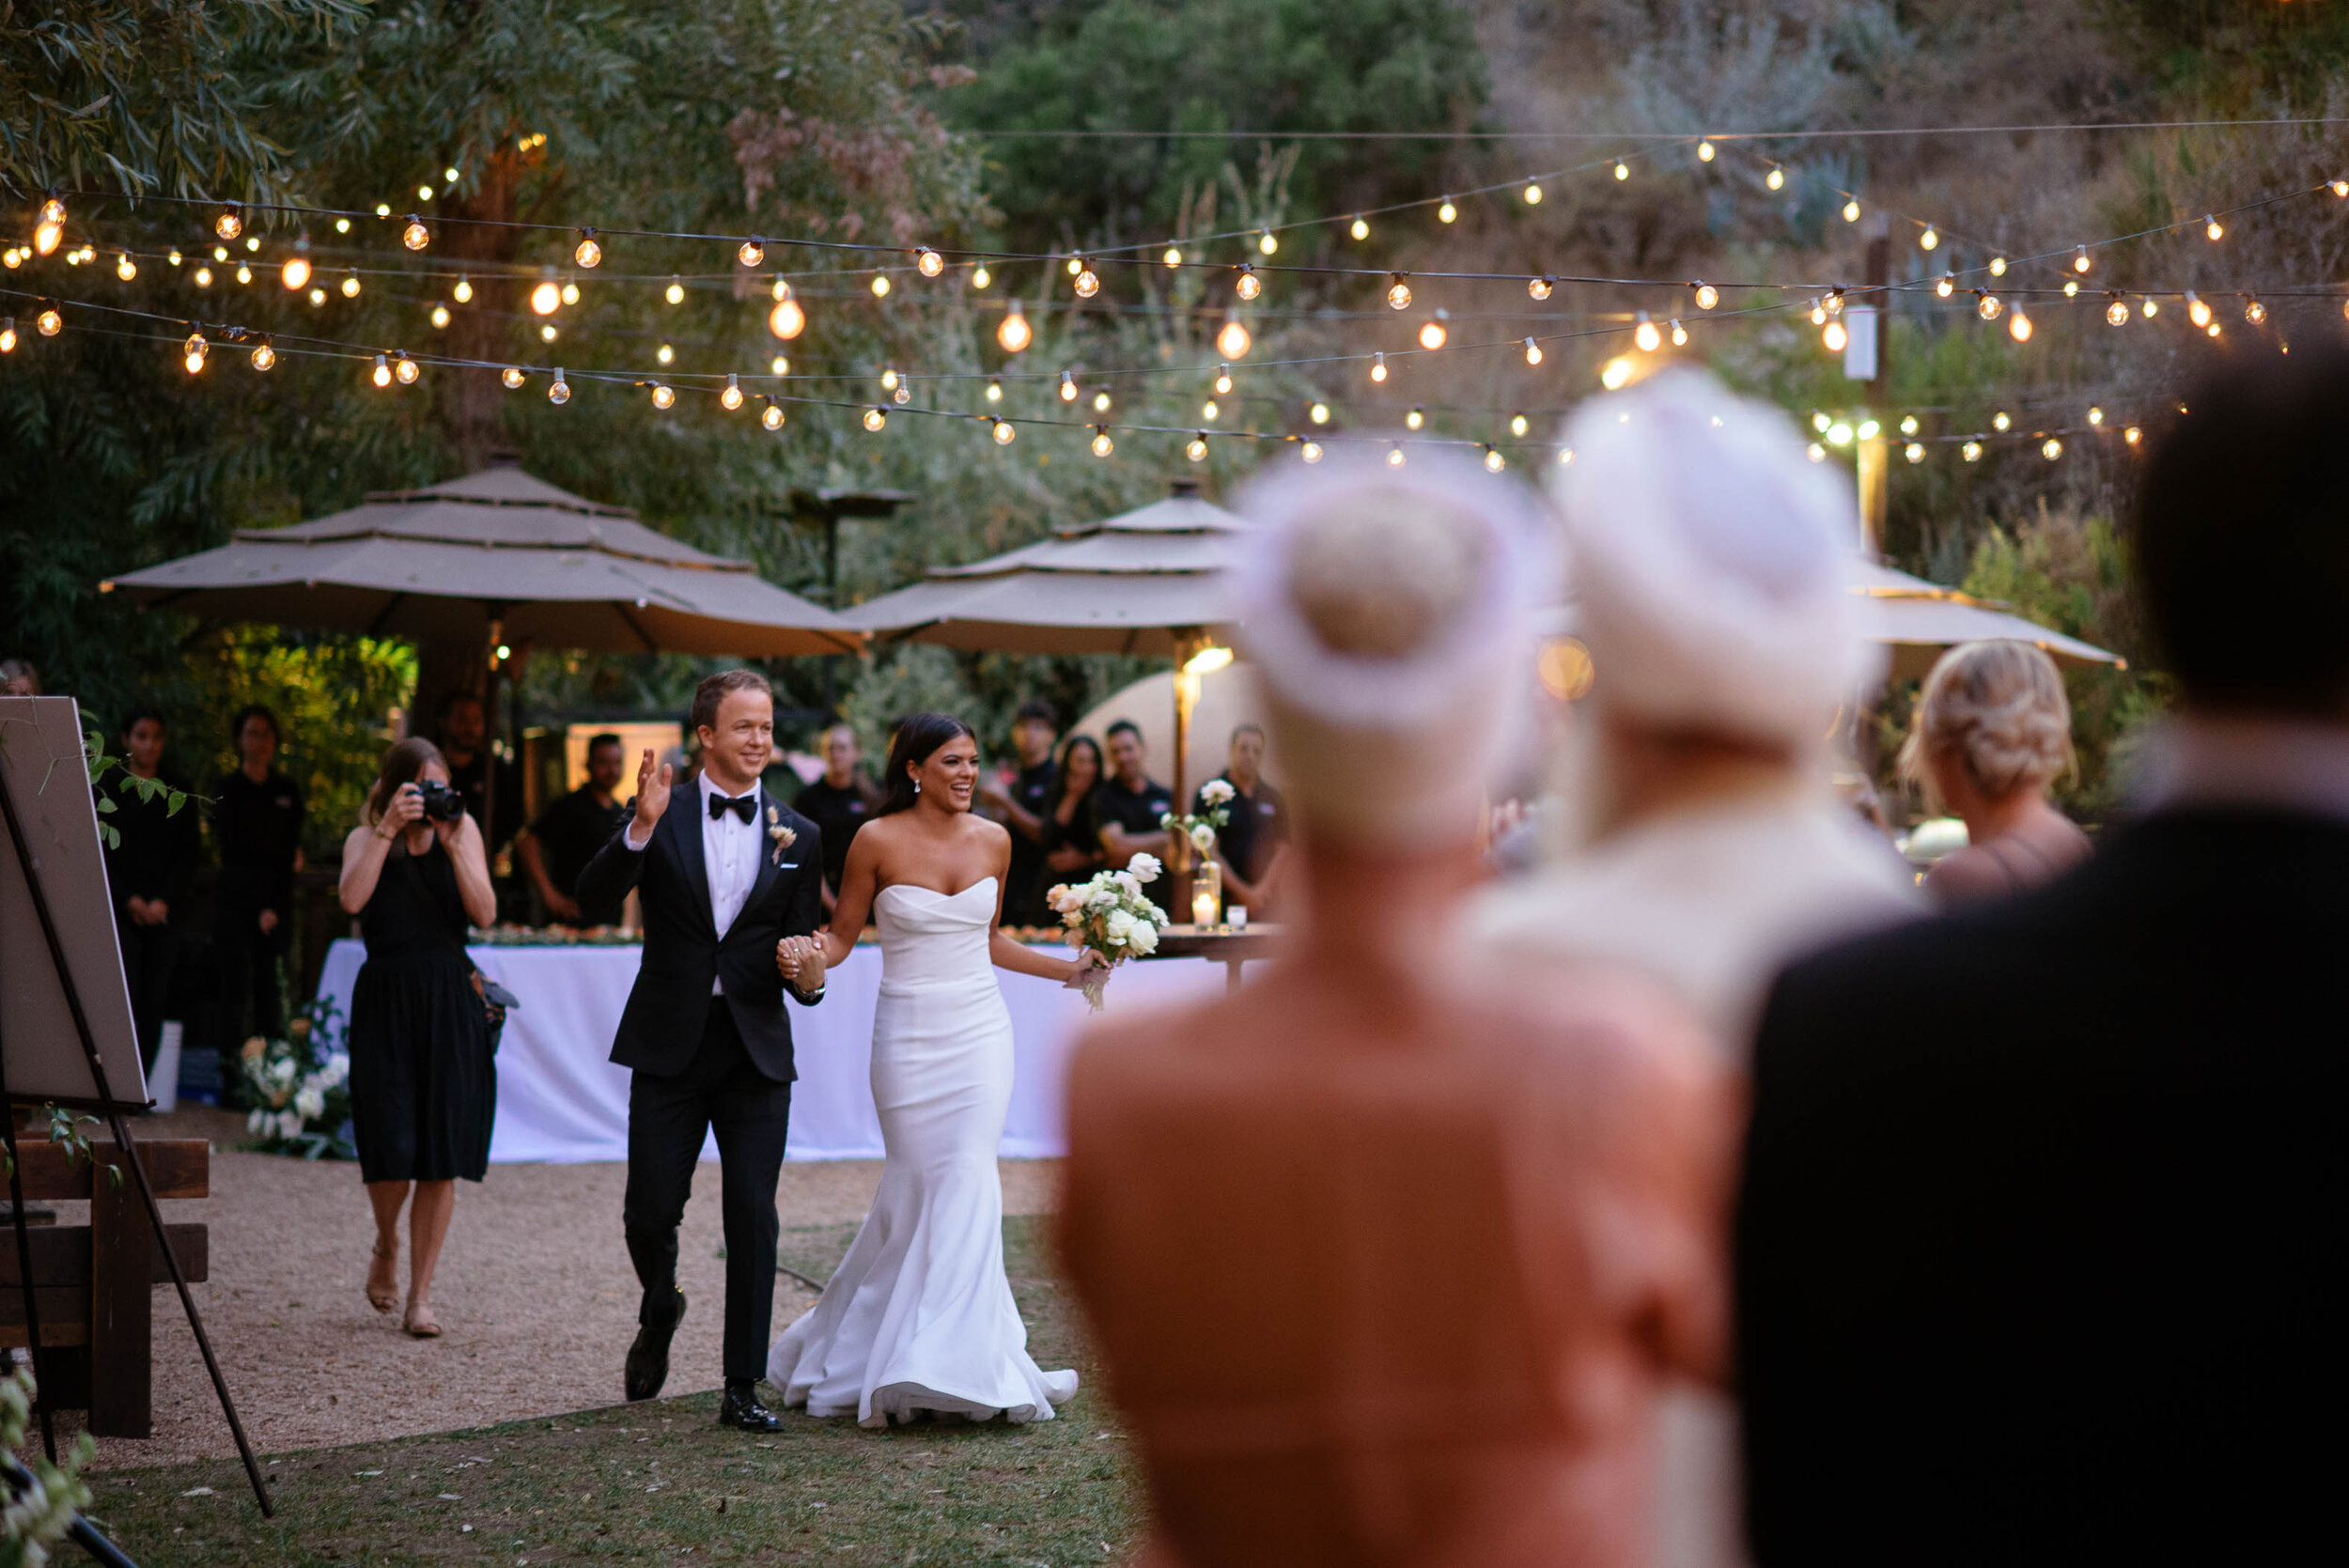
(919, 1316)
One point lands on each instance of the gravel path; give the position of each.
(534, 1292)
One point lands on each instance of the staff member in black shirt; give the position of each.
(149, 873)
(1022, 807)
(839, 802)
(1257, 827)
(256, 820)
(568, 832)
(1132, 806)
(464, 728)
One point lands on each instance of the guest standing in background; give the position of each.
(149, 872)
(18, 678)
(1704, 843)
(1132, 807)
(464, 726)
(1252, 842)
(1071, 837)
(1387, 1255)
(839, 802)
(568, 832)
(1992, 728)
(1020, 804)
(423, 1083)
(2039, 1252)
(256, 820)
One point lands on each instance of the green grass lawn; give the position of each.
(661, 1483)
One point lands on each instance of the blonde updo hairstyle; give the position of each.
(1999, 708)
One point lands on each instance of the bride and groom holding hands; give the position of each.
(919, 1316)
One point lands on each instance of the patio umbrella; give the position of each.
(1916, 620)
(495, 549)
(1150, 581)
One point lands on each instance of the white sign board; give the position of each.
(1860, 345)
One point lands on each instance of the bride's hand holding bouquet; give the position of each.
(1112, 918)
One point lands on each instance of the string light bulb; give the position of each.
(2338, 187)
(2212, 227)
(2080, 262)
(231, 222)
(1707, 295)
(244, 274)
(1998, 266)
(1909, 423)
(1067, 386)
(1394, 456)
(1318, 413)
(1818, 312)
(2051, 449)
(1102, 445)
(1704, 152)
(904, 393)
(1197, 448)
(1432, 333)
(2197, 310)
(1972, 451)
(1360, 228)
(195, 348)
(1447, 212)
(1914, 452)
(439, 315)
(789, 318)
(350, 284)
(881, 286)
(994, 392)
(405, 369)
(1986, 305)
(1312, 453)
(2117, 312)
(1776, 178)
(1398, 292)
(1076, 264)
(264, 354)
(1266, 242)
(1232, 341)
(1835, 302)
(1248, 285)
(2149, 307)
(1100, 402)
(1645, 335)
(587, 252)
(1378, 366)
(1540, 287)
(381, 374)
(1005, 434)
(7, 334)
(751, 253)
(50, 231)
(512, 376)
(1680, 335)
(2132, 435)
(462, 293)
(1518, 425)
(1623, 170)
(1532, 352)
(295, 273)
(1532, 194)
(1817, 453)
(928, 262)
(1945, 286)
(1494, 462)
(666, 354)
(547, 298)
(1209, 412)
(415, 236)
(875, 418)
(2097, 416)
(1851, 210)
(2254, 312)
(125, 268)
(980, 276)
(570, 292)
(1224, 380)
(1416, 418)
(731, 398)
(1172, 257)
(1013, 332)
(1834, 337)
(662, 395)
(2071, 288)
(560, 392)
(778, 366)
(2002, 421)
(1930, 239)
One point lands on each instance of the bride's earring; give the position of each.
(917, 786)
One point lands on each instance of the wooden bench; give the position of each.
(95, 1283)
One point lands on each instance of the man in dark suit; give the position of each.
(2039, 1248)
(725, 878)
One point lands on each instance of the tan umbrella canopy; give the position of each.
(498, 547)
(1916, 620)
(1151, 581)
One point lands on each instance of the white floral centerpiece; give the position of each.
(300, 1091)
(1112, 915)
(1216, 795)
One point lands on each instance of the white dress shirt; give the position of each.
(729, 856)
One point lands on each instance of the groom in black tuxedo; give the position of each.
(725, 877)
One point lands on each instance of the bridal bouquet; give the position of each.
(1201, 827)
(300, 1091)
(1112, 915)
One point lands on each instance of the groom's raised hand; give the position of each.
(652, 792)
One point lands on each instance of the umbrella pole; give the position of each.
(1188, 646)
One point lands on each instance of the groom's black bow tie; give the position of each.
(743, 806)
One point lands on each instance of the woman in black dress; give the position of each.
(1071, 839)
(423, 1087)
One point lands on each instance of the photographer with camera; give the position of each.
(423, 1084)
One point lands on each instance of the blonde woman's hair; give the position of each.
(2000, 708)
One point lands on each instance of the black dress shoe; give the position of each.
(648, 1358)
(742, 1410)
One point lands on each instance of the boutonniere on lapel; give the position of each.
(780, 831)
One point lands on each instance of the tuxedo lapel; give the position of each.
(767, 870)
(685, 841)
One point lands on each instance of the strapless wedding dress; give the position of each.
(919, 1315)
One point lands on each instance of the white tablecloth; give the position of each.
(560, 1099)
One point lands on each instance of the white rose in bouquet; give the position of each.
(1216, 792)
(289, 1124)
(1144, 940)
(1203, 838)
(310, 1102)
(253, 1118)
(281, 1070)
(1144, 868)
(1118, 928)
(335, 1073)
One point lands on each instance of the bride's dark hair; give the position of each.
(916, 738)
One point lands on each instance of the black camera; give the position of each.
(442, 803)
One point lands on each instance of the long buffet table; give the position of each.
(559, 1099)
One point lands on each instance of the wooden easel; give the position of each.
(101, 1103)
